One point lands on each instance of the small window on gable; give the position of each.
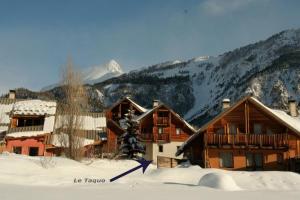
(232, 129)
(160, 130)
(269, 131)
(257, 128)
(178, 131)
(220, 131)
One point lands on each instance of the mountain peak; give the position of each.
(103, 72)
(113, 66)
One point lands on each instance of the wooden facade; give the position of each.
(247, 136)
(113, 116)
(160, 128)
(164, 125)
(163, 131)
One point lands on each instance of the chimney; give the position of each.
(12, 94)
(225, 104)
(155, 103)
(293, 111)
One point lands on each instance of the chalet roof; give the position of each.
(6, 101)
(293, 123)
(62, 140)
(6, 106)
(34, 107)
(139, 118)
(137, 106)
(25, 134)
(89, 121)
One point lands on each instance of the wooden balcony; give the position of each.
(146, 137)
(163, 121)
(163, 137)
(248, 140)
(25, 129)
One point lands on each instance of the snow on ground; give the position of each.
(24, 177)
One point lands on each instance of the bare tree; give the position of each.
(70, 109)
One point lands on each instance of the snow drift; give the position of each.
(219, 181)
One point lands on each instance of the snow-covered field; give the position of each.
(23, 177)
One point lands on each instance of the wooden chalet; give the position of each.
(163, 131)
(160, 129)
(33, 127)
(29, 123)
(247, 136)
(92, 135)
(114, 117)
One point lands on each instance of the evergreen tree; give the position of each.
(130, 142)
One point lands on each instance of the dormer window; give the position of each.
(30, 121)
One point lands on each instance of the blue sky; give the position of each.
(37, 36)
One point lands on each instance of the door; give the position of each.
(33, 151)
(254, 161)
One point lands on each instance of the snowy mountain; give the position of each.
(269, 69)
(101, 73)
(96, 74)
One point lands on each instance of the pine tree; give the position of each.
(130, 142)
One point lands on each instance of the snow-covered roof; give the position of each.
(293, 122)
(62, 140)
(140, 117)
(34, 107)
(87, 122)
(137, 105)
(6, 106)
(25, 134)
(4, 113)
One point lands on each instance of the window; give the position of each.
(279, 158)
(226, 160)
(220, 131)
(160, 130)
(163, 114)
(178, 131)
(269, 131)
(232, 129)
(17, 150)
(37, 121)
(160, 148)
(257, 128)
(33, 151)
(249, 160)
(254, 161)
(258, 160)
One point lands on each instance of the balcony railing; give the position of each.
(164, 137)
(25, 129)
(260, 140)
(163, 120)
(146, 136)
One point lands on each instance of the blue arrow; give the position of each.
(143, 164)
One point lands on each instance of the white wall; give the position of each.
(169, 150)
